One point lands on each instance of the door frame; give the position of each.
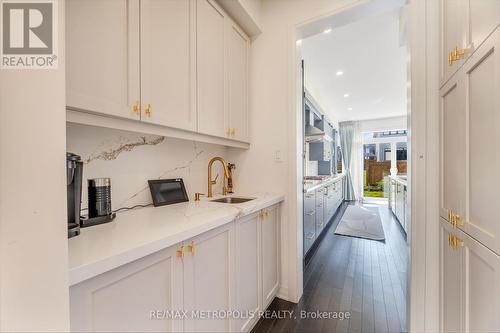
(423, 134)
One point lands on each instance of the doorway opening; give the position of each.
(355, 97)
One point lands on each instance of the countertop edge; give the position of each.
(85, 272)
(324, 183)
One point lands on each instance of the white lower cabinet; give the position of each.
(270, 234)
(470, 283)
(208, 280)
(126, 299)
(248, 270)
(233, 269)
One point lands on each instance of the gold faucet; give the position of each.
(214, 181)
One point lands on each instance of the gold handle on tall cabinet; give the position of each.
(137, 107)
(180, 253)
(228, 132)
(192, 248)
(149, 110)
(264, 214)
(233, 132)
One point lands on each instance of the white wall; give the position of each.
(33, 231)
(274, 120)
(384, 124)
(130, 159)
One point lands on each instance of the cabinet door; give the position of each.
(247, 250)
(451, 282)
(482, 75)
(482, 287)
(454, 32)
(270, 255)
(102, 56)
(453, 147)
(309, 220)
(319, 211)
(126, 298)
(208, 279)
(484, 18)
(237, 85)
(210, 69)
(168, 62)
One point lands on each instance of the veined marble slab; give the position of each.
(137, 233)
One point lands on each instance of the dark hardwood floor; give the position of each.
(363, 277)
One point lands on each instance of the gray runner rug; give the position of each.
(362, 222)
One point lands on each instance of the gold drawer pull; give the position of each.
(264, 214)
(137, 107)
(192, 248)
(180, 253)
(149, 110)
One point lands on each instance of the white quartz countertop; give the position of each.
(313, 185)
(137, 233)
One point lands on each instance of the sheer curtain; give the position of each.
(351, 142)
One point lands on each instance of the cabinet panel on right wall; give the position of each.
(465, 26)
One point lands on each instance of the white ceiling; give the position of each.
(369, 54)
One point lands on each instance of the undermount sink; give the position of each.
(232, 200)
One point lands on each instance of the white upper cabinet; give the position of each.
(237, 81)
(210, 68)
(102, 57)
(482, 76)
(453, 147)
(464, 27)
(168, 63)
(182, 64)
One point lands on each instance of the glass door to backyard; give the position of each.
(385, 154)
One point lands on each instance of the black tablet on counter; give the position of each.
(167, 191)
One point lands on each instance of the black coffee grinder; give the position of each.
(74, 172)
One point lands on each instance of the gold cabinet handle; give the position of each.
(149, 110)
(180, 253)
(264, 214)
(457, 54)
(192, 248)
(137, 107)
(197, 196)
(233, 132)
(454, 219)
(454, 241)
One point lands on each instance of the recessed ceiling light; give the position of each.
(346, 95)
(327, 31)
(299, 42)
(339, 73)
(350, 109)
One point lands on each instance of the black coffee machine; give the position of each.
(74, 173)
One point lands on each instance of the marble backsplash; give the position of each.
(130, 159)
